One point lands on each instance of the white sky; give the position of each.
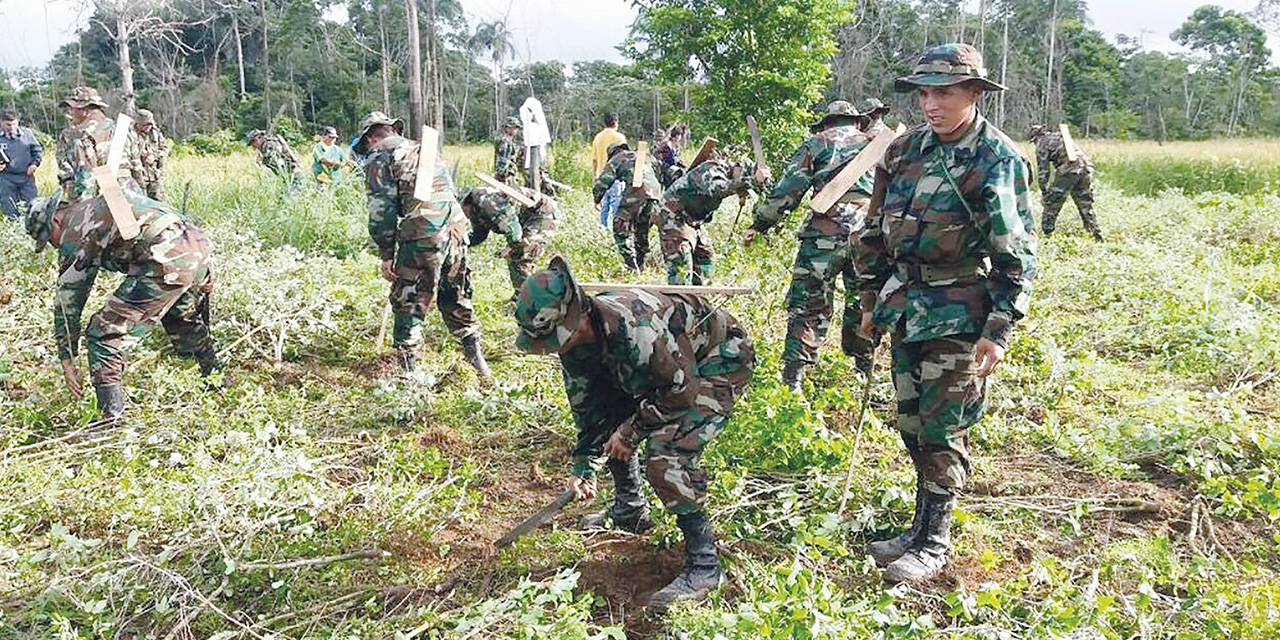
(572, 30)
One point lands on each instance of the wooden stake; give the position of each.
(117, 204)
(859, 165)
(642, 162)
(424, 184)
(708, 145)
(510, 191)
(697, 290)
(1068, 143)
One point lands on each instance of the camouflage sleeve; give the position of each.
(598, 409)
(66, 156)
(604, 181)
(509, 224)
(75, 283)
(503, 158)
(787, 191)
(384, 204)
(1007, 201)
(871, 260)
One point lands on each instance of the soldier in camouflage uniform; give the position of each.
(508, 153)
(689, 203)
(276, 155)
(946, 262)
(662, 369)
(873, 110)
(825, 252)
(146, 162)
(1060, 177)
(423, 245)
(168, 277)
(639, 204)
(84, 144)
(527, 231)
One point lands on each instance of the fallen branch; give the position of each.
(367, 554)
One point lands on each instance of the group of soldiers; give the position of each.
(935, 246)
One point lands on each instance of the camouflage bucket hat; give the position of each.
(549, 309)
(1035, 131)
(512, 121)
(373, 119)
(146, 117)
(254, 135)
(40, 218)
(615, 147)
(837, 109)
(945, 65)
(870, 106)
(82, 97)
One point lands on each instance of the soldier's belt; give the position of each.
(916, 273)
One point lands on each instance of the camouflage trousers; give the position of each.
(939, 397)
(524, 257)
(686, 248)
(631, 231)
(179, 299)
(1076, 185)
(426, 271)
(152, 186)
(820, 261)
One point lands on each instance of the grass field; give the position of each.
(1127, 478)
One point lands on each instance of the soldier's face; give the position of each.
(10, 126)
(948, 109)
(78, 114)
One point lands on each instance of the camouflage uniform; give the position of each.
(527, 232)
(276, 155)
(946, 259)
(638, 208)
(147, 156)
(1060, 177)
(688, 203)
(82, 147)
(825, 252)
(508, 153)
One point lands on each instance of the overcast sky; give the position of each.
(572, 30)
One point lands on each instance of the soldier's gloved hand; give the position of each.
(987, 354)
(72, 377)
(748, 236)
(388, 270)
(618, 447)
(582, 488)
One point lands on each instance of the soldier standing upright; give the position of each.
(150, 148)
(423, 245)
(639, 204)
(946, 262)
(873, 110)
(84, 144)
(508, 153)
(1061, 176)
(275, 154)
(528, 230)
(639, 367)
(825, 251)
(688, 204)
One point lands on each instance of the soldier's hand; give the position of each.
(506, 252)
(748, 236)
(582, 488)
(388, 270)
(31, 170)
(868, 325)
(763, 175)
(617, 447)
(987, 355)
(72, 377)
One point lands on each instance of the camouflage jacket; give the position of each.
(81, 148)
(169, 248)
(491, 210)
(699, 192)
(147, 153)
(933, 262)
(650, 347)
(278, 156)
(508, 158)
(395, 216)
(1051, 158)
(621, 167)
(812, 166)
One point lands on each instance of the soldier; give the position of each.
(825, 250)
(668, 153)
(662, 369)
(873, 110)
(688, 204)
(1060, 176)
(276, 155)
(528, 232)
(422, 244)
(84, 144)
(946, 262)
(508, 152)
(639, 204)
(168, 277)
(150, 148)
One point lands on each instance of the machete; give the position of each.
(536, 520)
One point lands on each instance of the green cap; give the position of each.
(870, 106)
(944, 65)
(1036, 131)
(373, 119)
(512, 121)
(254, 135)
(548, 309)
(146, 117)
(83, 97)
(837, 109)
(40, 218)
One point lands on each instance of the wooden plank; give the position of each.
(642, 162)
(117, 204)
(599, 287)
(119, 139)
(511, 192)
(859, 165)
(708, 145)
(756, 149)
(1067, 142)
(424, 183)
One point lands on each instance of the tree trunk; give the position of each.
(386, 67)
(235, 30)
(126, 67)
(1048, 76)
(266, 66)
(433, 69)
(416, 118)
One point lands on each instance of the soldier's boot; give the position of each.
(928, 553)
(471, 351)
(886, 551)
(791, 373)
(630, 510)
(110, 402)
(407, 359)
(210, 363)
(1090, 222)
(701, 567)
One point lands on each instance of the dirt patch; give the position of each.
(377, 367)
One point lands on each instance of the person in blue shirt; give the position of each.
(21, 157)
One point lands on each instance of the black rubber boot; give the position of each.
(407, 359)
(701, 566)
(928, 553)
(791, 373)
(886, 551)
(210, 363)
(471, 351)
(110, 402)
(630, 510)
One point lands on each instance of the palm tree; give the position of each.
(496, 39)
